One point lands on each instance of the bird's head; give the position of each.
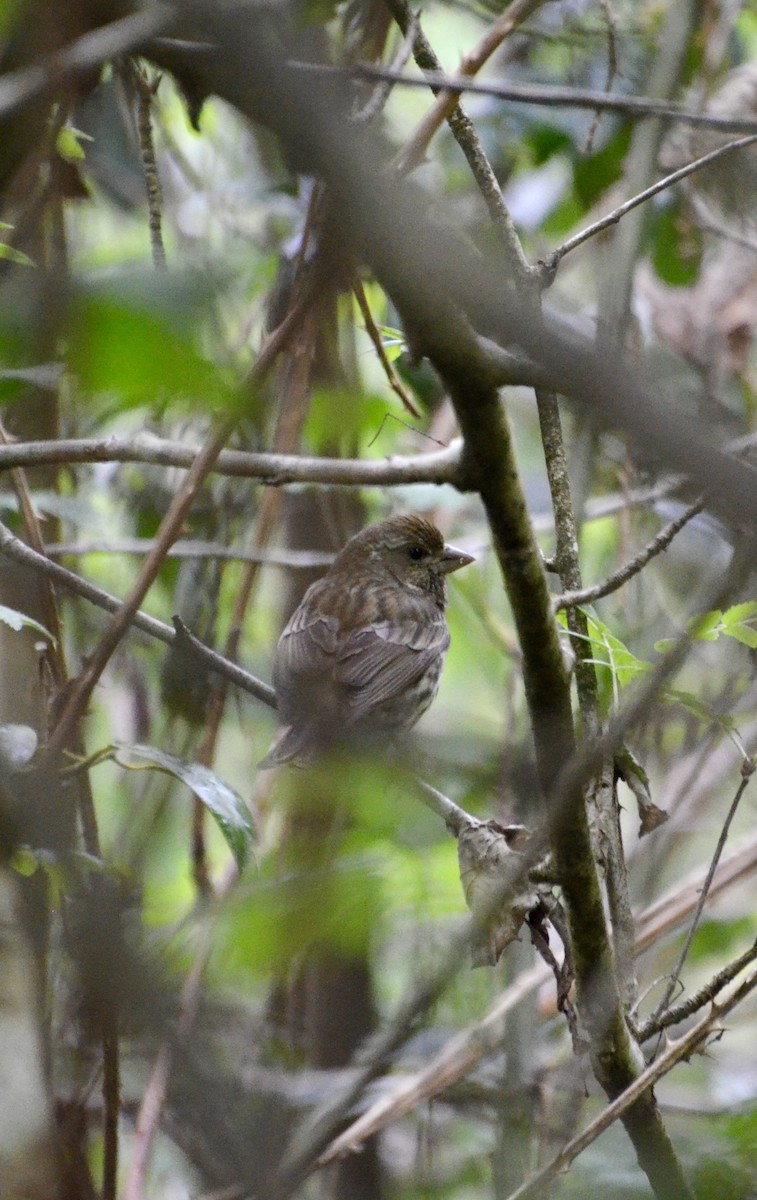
(410, 549)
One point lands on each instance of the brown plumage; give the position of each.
(362, 655)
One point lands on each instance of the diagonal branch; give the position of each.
(516, 13)
(14, 548)
(679, 1050)
(171, 527)
(631, 568)
(553, 260)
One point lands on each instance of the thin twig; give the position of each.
(14, 548)
(146, 92)
(375, 336)
(631, 568)
(747, 770)
(296, 560)
(612, 67)
(551, 263)
(705, 995)
(681, 1049)
(550, 97)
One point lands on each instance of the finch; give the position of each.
(362, 656)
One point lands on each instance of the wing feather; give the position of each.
(377, 664)
(327, 677)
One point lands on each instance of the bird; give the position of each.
(361, 658)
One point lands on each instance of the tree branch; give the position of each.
(275, 470)
(550, 97)
(631, 568)
(14, 548)
(705, 995)
(553, 260)
(681, 1049)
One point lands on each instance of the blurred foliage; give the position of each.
(367, 876)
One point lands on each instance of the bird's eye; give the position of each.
(416, 553)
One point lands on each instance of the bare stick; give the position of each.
(704, 996)
(551, 263)
(678, 1050)
(441, 466)
(146, 92)
(612, 67)
(631, 568)
(373, 333)
(549, 97)
(747, 770)
(14, 548)
(298, 560)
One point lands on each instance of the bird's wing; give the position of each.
(308, 645)
(377, 663)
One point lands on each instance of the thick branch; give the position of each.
(441, 466)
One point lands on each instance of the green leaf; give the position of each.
(595, 173)
(615, 664)
(734, 623)
(67, 145)
(224, 804)
(708, 627)
(18, 621)
(17, 256)
(140, 348)
(676, 246)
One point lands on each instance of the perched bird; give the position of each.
(362, 655)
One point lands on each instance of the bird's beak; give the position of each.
(453, 560)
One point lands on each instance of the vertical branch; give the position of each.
(493, 471)
(146, 92)
(464, 132)
(111, 1101)
(569, 568)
